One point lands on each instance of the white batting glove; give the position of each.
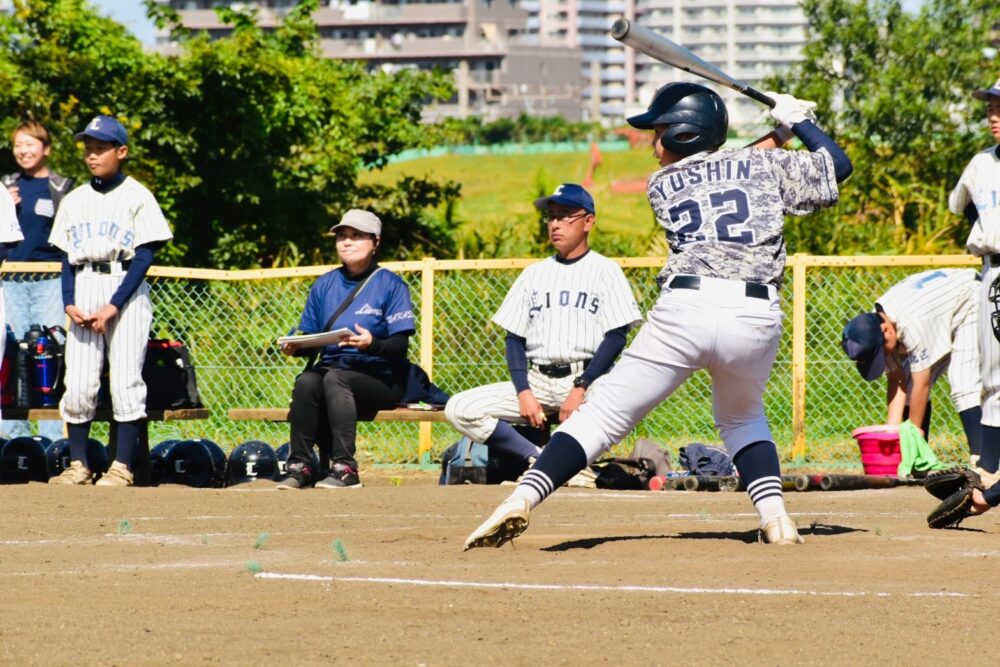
(789, 110)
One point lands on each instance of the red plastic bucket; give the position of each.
(879, 445)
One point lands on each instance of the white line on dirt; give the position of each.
(446, 583)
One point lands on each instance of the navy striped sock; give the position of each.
(760, 471)
(560, 459)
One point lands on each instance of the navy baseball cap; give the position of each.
(568, 194)
(984, 95)
(862, 340)
(104, 128)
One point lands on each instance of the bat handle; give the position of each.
(755, 94)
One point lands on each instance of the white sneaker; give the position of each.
(117, 475)
(508, 521)
(989, 478)
(780, 531)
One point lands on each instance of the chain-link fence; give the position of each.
(230, 320)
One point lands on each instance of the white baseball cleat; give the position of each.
(508, 521)
(780, 531)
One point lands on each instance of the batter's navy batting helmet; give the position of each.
(198, 463)
(251, 461)
(59, 458)
(696, 117)
(23, 460)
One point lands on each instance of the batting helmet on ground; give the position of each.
(198, 463)
(250, 461)
(23, 460)
(696, 118)
(59, 457)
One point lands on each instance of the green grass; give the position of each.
(498, 191)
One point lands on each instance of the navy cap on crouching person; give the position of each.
(862, 340)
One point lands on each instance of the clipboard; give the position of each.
(317, 340)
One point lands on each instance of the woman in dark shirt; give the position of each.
(363, 373)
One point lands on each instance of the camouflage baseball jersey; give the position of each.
(723, 211)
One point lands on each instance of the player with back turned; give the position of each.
(718, 309)
(109, 230)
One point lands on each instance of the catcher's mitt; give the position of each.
(954, 486)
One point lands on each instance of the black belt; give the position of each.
(994, 260)
(104, 267)
(557, 371)
(753, 290)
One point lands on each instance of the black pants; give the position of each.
(326, 407)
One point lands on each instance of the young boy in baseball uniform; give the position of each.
(922, 327)
(566, 319)
(718, 310)
(977, 196)
(110, 230)
(10, 233)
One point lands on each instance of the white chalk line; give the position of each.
(449, 583)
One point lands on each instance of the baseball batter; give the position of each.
(10, 232)
(977, 196)
(718, 309)
(922, 327)
(110, 230)
(566, 319)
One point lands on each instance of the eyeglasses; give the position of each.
(552, 216)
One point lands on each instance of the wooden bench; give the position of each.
(140, 465)
(426, 417)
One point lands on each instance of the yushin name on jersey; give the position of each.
(563, 298)
(713, 171)
(85, 231)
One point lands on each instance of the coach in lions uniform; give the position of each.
(566, 319)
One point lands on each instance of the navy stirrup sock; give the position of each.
(128, 438)
(506, 439)
(989, 457)
(78, 434)
(971, 419)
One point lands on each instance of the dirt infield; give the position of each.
(377, 576)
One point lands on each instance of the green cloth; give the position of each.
(916, 453)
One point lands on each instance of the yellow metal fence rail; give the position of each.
(229, 320)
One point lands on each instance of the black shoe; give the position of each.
(341, 477)
(300, 476)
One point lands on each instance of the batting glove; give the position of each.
(789, 110)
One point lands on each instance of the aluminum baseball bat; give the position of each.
(666, 51)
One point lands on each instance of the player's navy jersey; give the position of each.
(563, 309)
(10, 230)
(980, 185)
(723, 211)
(94, 226)
(927, 309)
(383, 307)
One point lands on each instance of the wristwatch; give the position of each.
(581, 382)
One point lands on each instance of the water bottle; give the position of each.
(22, 391)
(8, 370)
(43, 387)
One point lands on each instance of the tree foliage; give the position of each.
(252, 143)
(894, 88)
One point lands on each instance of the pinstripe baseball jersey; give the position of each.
(720, 213)
(927, 309)
(980, 185)
(563, 309)
(91, 226)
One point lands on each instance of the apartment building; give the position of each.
(497, 71)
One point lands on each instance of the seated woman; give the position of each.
(365, 372)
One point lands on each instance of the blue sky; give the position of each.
(129, 13)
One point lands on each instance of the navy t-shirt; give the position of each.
(383, 307)
(35, 214)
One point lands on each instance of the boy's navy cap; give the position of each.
(568, 194)
(862, 340)
(985, 94)
(104, 128)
